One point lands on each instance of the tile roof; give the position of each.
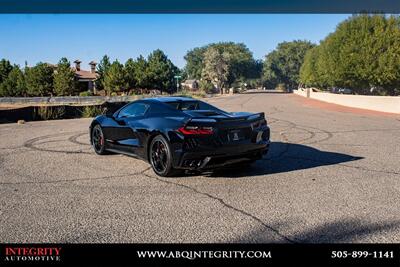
(84, 74)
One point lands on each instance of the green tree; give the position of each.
(387, 39)
(195, 62)
(114, 78)
(39, 80)
(255, 69)
(141, 73)
(308, 70)
(282, 66)
(216, 67)
(5, 69)
(362, 53)
(241, 64)
(14, 84)
(102, 68)
(161, 71)
(130, 76)
(64, 78)
(183, 73)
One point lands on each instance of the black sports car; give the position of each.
(179, 133)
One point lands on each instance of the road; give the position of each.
(332, 175)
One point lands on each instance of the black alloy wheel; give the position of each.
(98, 141)
(161, 157)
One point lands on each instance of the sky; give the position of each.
(47, 38)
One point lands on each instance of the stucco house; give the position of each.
(190, 84)
(86, 78)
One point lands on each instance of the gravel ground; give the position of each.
(332, 175)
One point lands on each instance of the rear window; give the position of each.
(191, 105)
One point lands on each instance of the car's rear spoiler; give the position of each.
(255, 116)
(238, 118)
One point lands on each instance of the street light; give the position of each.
(177, 77)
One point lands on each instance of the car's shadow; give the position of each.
(284, 157)
(343, 230)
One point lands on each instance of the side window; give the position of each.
(133, 110)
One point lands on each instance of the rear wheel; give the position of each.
(161, 157)
(98, 140)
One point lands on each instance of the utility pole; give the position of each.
(177, 77)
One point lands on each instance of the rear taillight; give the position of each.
(195, 130)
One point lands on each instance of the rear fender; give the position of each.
(168, 131)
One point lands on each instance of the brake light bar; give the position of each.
(195, 130)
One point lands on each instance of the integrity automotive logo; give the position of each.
(31, 254)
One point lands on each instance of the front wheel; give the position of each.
(98, 140)
(161, 157)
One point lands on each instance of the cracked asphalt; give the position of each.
(332, 175)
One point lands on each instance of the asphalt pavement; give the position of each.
(332, 175)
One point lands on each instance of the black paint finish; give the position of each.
(236, 136)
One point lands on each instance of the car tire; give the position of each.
(98, 140)
(160, 157)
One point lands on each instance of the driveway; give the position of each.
(332, 175)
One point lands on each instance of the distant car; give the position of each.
(178, 133)
(344, 91)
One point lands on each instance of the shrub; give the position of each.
(49, 112)
(191, 94)
(91, 111)
(85, 93)
(132, 92)
(281, 87)
(206, 87)
(183, 93)
(199, 94)
(237, 90)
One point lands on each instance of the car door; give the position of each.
(125, 136)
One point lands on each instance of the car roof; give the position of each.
(166, 99)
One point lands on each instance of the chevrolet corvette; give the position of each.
(175, 134)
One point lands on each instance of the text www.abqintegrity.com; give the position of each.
(203, 254)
